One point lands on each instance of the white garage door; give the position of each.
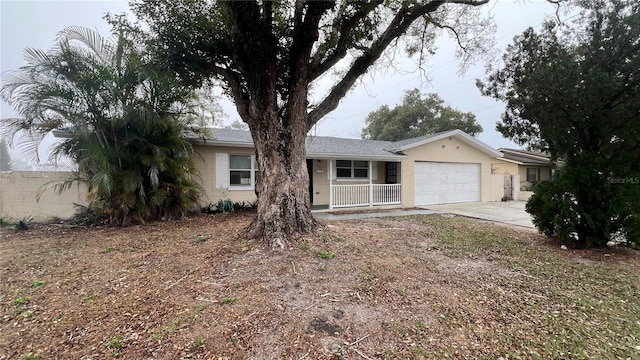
(442, 183)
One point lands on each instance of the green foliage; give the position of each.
(575, 92)
(24, 224)
(201, 238)
(553, 210)
(227, 206)
(121, 119)
(417, 116)
(229, 300)
(108, 249)
(328, 255)
(5, 221)
(37, 283)
(198, 343)
(115, 343)
(5, 158)
(29, 356)
(19, 301)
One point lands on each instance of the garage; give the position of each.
(443, 183)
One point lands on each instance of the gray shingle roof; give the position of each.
(316, 145)
(526, 157)
(333, 147)
(324, 145)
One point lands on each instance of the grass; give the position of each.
(229, 300)
(552, 302)
(29, 357)
(199, 342)
(200, 239)
(36, 283)
(423, 287)
(115, 343)
(21, 300)
(108, 249)
(322, 254)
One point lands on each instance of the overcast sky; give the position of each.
(35, 24)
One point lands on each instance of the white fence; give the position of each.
(366, 195)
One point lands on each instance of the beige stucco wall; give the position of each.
(449, 150)
(497, 187)
(205, 162)
(501, 167)
(544, 172)
(18, 191)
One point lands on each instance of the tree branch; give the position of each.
(340, 46)
(450, 28)
(240, 97)
(399, 24)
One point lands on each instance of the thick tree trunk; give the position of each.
(284, 207)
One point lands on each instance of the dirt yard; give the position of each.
(418, 287)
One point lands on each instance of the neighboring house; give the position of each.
(447, 167)
(531, 166)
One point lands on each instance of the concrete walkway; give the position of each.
(510, 212)
(365, 213)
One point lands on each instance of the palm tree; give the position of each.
(120, 119)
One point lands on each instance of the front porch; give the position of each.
(341, 183)
(364, 195)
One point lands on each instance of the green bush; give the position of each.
(553, 210)
(586, 206)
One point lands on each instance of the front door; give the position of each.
(310, 170)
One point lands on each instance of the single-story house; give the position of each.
(531, 166)
(446, 167)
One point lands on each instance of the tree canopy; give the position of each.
(121, 121)
(575, 92)
(269, 55)
(417, 116)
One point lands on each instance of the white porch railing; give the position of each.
(365, 195)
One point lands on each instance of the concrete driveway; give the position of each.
(509, 212)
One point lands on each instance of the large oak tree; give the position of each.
(269, 55)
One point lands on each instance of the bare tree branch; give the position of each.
(399, 24)
(320, 64)
(239, 96)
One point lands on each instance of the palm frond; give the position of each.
(58, 186)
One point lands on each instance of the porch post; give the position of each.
(330, 165)
(370, 183)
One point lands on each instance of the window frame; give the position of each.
(536, 175)
(352, 170)
(253, 173)
(390, 172)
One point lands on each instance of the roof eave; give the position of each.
(342, 156)
(208, 142)
(465, 138)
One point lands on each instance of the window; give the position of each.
(352, 169)
(243, 170)
(532, 175)
(391, 172)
